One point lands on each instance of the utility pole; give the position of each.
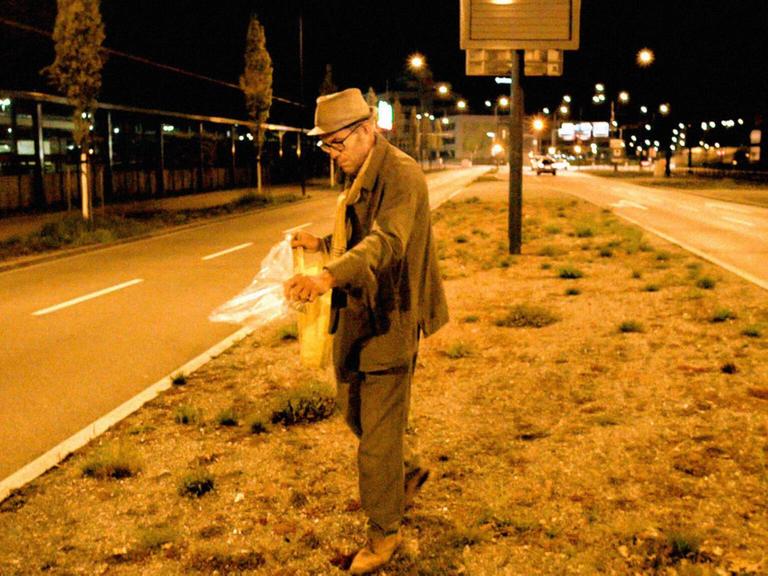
(515, 156)
(301, 97)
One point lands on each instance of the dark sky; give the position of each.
(710, 54)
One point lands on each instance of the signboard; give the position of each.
(384, 116)
(544, 62)
(601, 129)
(481, 62)
(617, 150)
(520, 24)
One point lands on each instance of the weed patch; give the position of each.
(458, 350)
(196, 484)
(527, 316)
(569, 273)
(309, 403)
(186, 415)
(112, 461)
(630, 326)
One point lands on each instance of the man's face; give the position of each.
(349, 146)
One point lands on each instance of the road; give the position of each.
(733, 236)
(81, 335)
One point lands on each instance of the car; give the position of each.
(546, 165)
(562, 163)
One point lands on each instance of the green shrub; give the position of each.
(572, 292)
(289, 332)
(546, 266)
(636, 274)
(471, 319)
(706, 283)
(663, 256)
(154, 538)
(112, 461)
(196, 484)
(729, 368)
(552, 229)
(753, 331)
(606, 253)
(651, 288)
(584, 231)
(551, 251)
(186, 414)
(179, 380)
(461, 239)
(527, 316)
(308, 403)
(630, 326)
(722, 315)
(458, 350)
(227, 417)
(569, 272)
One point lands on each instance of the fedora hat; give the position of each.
(339, 110)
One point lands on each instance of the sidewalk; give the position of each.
(597, 405)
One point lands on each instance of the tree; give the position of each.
(76, 72)
(256, 84)
(327, 86)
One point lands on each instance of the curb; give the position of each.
(27, 261)
(59, 452)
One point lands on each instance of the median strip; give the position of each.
(90, 296)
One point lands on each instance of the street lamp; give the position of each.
(538, 126)
(461, 105)
(417, 62)
(664, 109)
(443, 90)
(645, 57)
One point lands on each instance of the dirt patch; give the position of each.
(559, 444)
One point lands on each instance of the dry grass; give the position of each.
(569, 448)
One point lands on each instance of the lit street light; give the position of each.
(416, 62)
(461, 105)
(645, 57)
(664, 109)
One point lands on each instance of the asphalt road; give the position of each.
(734, 236)
(81, 335)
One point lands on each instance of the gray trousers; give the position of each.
(375, 407)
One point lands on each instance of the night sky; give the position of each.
(710, 55)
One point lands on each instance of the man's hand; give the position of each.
(302, 288)
(309, 242)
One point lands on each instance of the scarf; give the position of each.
(346, 198)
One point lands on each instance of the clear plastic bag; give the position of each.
(263, 300)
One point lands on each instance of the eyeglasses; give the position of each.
(337, 145)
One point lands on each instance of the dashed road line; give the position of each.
(90, 296)
(737, 221)
(227, 251)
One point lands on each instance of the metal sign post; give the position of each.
(495, 34)
(515, 157)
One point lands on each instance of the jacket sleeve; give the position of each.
(386, 243)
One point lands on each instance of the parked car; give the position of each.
(545, 165)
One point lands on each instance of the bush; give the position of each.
(526, 316)
(309, 403)
(458, 350)
(722, 315)
(471, 319)
(569, 273)
(753, 331)
(706, 283)
(179, 380)
(154, 537)
(606, 253)
(584, 232)
(227, 417)
(112, 462)
(196, 484)
(630, 326)
(461, 239)
(289, 332)
(651, 288)
(572, 292)
(186, 414)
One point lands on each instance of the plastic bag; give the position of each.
(263, 300)
(313, 320)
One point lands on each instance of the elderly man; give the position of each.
(387, 291)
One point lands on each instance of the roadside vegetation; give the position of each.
(575, 423)
(117, 224)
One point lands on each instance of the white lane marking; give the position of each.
(295, 228)
(87, 297)
(724, 206)
(227, 251)
(737, 221)
(628, 204)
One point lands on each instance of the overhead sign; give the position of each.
(520, 24)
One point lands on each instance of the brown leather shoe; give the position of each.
(414, 480)
(375, 554)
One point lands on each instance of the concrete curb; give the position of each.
(25, 262)
(56, 454)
